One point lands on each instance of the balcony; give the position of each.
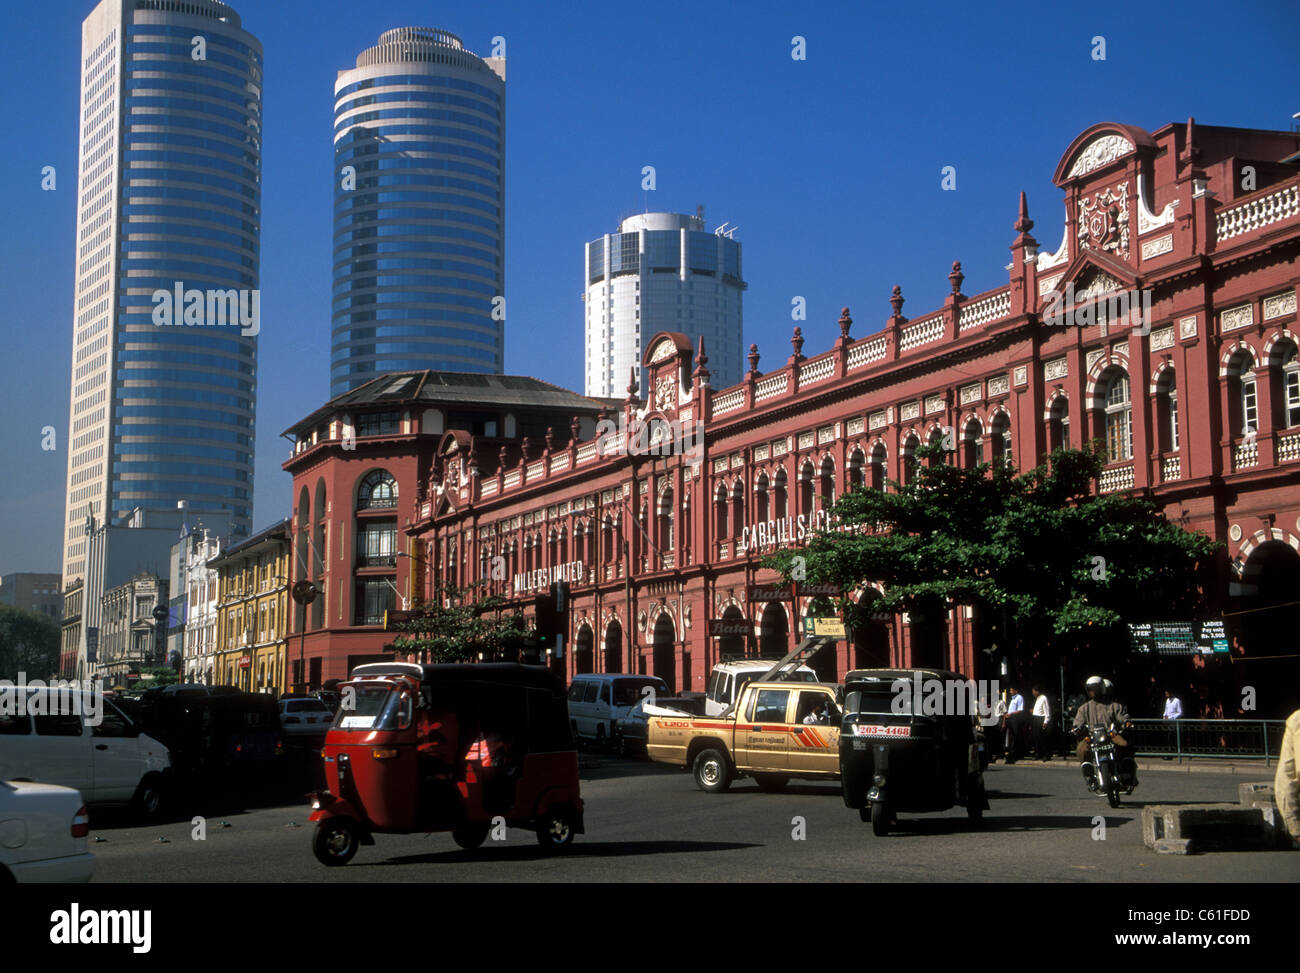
(1115, 478)
(1170, 469)
(1288, 447)
(1245, 455)
(376, 560)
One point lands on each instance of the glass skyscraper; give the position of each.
(166, 302)
(419, 197)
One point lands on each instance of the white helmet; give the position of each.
(1094, 682)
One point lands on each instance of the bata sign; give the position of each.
(786, 531)
(545, 577)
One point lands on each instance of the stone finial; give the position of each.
(550, 439)
(796, 342)
(845, 322)
(701, 359)
(575, 426)
(1023, 223)
(753, 358)
(896, 301)
(502, 453)
(955, 277)
(523, 450)
(631, 382)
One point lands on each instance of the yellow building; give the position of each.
(253, 612)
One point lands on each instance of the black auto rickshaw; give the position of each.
(906, 747)
(455, 747)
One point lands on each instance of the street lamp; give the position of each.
(304, 593)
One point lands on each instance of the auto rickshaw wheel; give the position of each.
(879, 819)
(470, 836)
(555, 828)
(711, 770)
(335, 842)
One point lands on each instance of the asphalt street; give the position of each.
(648, 823)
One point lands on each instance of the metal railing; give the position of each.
(1242, 739)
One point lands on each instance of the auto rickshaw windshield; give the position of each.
(374, 706)
(877, 699)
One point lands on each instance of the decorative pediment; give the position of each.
(1101, 147)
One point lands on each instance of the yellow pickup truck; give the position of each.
(777, 730)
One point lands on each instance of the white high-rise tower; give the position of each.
(661, 272)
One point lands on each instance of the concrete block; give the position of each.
(1210, 827)
(1175, 846)
(1256, 795)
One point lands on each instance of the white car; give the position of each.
(86, 743)
(43, 830)
(302, 717)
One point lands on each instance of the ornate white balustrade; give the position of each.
(921, 333)
(816, 370)
(985, 310)
(865, 352)
(729, 402)
(1116, 478)
(771, 387)
(1255, 213)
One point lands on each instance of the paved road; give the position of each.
(649, 823)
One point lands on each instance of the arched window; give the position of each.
(607, 540)
(856, 475)
(779, 507)
(377, 491)
(970, 444)
(580, 541)
(1243, 403)
(1289, 400)
(1118, 411)
(937, 439)
(1058, 423)
(1167, 411)
(1000, 439)
(826, 484)
(879, 466)
(910, 445)
(720, 513)
(664, 520)
(762, 505)
(737, 508)
(806, 488)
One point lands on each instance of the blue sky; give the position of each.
(830, 166)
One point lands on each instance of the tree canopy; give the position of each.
(458, 626)
(29, 643)
(1056, 563)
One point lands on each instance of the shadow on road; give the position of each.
(580, 849)
(997, 823)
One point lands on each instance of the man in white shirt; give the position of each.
(1015, 722)
(1173, 706)
(1042, 724)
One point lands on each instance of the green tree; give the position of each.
(458, 626)
(1055, 566)
(29, 643)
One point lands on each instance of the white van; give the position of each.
(598, 701)
(729, 678)
(110, 761)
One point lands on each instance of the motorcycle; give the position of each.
(1105, 772)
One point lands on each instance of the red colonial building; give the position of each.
(1197, 400)
(360, 464)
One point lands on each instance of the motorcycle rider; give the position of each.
(1100, 708)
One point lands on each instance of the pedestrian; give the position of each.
(1173, 706)
(1015, 720)
(991, 715)
(1286, 782)
(1041, 726)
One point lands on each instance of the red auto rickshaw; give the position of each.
(456, 747)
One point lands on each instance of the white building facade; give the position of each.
(199, 661)
(661, 272)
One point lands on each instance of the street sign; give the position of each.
(830, 590)
(828, 627)
(729, 626)
(769, 592)
(392, 617)
(1208, 637)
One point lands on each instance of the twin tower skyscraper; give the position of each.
(169, 217)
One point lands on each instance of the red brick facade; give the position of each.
(1192, 404)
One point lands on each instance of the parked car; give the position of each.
(305, 718)
(632, 728)
(109, 758)
(598, 701)
(729, 678)
(43, 830)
